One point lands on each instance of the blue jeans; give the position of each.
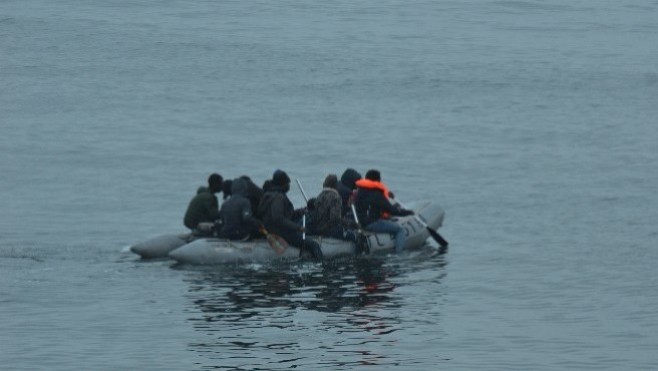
(385, 226)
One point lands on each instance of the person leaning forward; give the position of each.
(238, 221)
(204, 207)
(374, 208)
(278, 215)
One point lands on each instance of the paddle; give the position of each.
(360, 249)
(299, 184)
(435, 235)
(277, 243)
(318, 252)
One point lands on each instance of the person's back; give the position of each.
(326, 216)
(236, 214)
(374, 209)
(204, 207)
(371, 202)
(275, 209)
(254, 193)
(277, 214)
(346, 188)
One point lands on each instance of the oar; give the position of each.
(318, 254)
(435, 235)
(356, 218)
(276, 242)
(360, 232)
(299, 184)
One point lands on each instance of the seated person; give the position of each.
(326, 214)
(374, 208)
(238, 221)
(346, 189)
(279, 216)
(204, 207)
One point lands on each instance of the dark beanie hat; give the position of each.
(331, 181)
(215, 179)
(280, 178)
(373, 175)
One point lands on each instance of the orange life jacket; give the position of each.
(371, 184)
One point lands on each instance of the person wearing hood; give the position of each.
(326, 218)
(374, 208)
(254, 194)
(279, 216)
(226, 188)
(204, 207)
(238, 221)
(346, 188)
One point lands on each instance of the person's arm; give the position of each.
(298, 213)
(279, 219)
(386, 206)
(248, 217)
(212, 207)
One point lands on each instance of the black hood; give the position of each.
(349, 178)
(239, 187)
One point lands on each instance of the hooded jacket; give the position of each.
(326, 215)
(277, 211)
(346, 187)
(201, 209)
(254, 194)
(236, 214)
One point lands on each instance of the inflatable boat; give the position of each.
(219, 251)
(161, 246)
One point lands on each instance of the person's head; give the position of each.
(226, 188)
(374, 175)
(215, 183)
(239, 187)
(350, 177)
(331, 181)
(250, 183)
(281, 180)
(267, 185)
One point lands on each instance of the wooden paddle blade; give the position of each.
(277, 243)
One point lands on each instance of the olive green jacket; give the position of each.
(203, 208)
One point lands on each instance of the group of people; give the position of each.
(249, 211)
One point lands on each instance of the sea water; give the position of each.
(532, 123)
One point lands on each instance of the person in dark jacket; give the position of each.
(226, 188)
(238, 221)
(326, 215)
(374, 208)
(254, 194)
(204, 207)
(266, 185)
(278, 215)
(346, 188)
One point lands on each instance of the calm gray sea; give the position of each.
(533, 123)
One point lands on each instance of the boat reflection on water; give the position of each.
(291, 313)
